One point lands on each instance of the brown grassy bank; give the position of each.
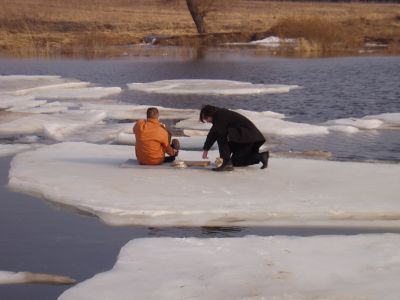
(43, 27)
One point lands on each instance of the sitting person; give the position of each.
(238, 138)
(153, 140)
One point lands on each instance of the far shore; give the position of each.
(42, 28)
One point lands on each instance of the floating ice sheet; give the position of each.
(290, 191)
(301, 268)
(11, 149)
(269, 123)
(209, 86)
(55, 126)
(135, 112)
(17, 92)
(374, 122)
(390, 120)
(7, 277)
(23, 84)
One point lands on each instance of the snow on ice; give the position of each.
(290, 191)
(250, 267)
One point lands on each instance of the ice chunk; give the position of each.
(272, 41)
(53, 126)
(135, 112)
(209, 86)
(358, 123)
(23, 84)
(266, 124)
(301, 268)
(77, 93)
(11, 149)
(43, 107)
(389, 119)
(26, 105)
(343, 128)
(7, 277)
(290, 191)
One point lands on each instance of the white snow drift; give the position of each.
(290, 191)
(209, 86)
(301, 268)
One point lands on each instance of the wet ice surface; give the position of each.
(319, 267)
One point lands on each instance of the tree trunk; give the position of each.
(197, 16)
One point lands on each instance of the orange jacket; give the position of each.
(152, 142)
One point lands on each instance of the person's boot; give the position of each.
(264, 156)
(226, 166)
(176, 145)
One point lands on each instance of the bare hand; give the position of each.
(205, 154)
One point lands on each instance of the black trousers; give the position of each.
(241, 154)
(168, 159)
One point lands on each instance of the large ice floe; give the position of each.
(19, 92)
(290, 191)
(209, 86)
(302, 268)
(372, 122)
(11, 149)
(55, 126)
(269, 123)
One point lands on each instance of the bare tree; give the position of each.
(199, 10)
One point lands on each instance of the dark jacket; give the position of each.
(235, 127)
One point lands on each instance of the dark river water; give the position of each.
(332, 88)
(37, 237)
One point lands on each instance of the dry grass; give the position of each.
(42, 27)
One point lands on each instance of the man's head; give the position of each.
(207, 113)
(152, 113)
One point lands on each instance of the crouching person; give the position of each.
(238, 138)
(153, 140)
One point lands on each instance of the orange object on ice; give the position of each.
(152, 142)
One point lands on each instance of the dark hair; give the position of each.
(207, 111)
(152, 113)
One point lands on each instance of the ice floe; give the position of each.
(11, 149)
(373, 122)
(23, 84)
(7, 277)
(390, 120)
(290, 191)
(269, 123)
(280, 267)
(135, 112)
(52, 126)
(209, 86)
(19, 92)
(357, 123)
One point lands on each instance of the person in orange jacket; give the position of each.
(153, 140)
